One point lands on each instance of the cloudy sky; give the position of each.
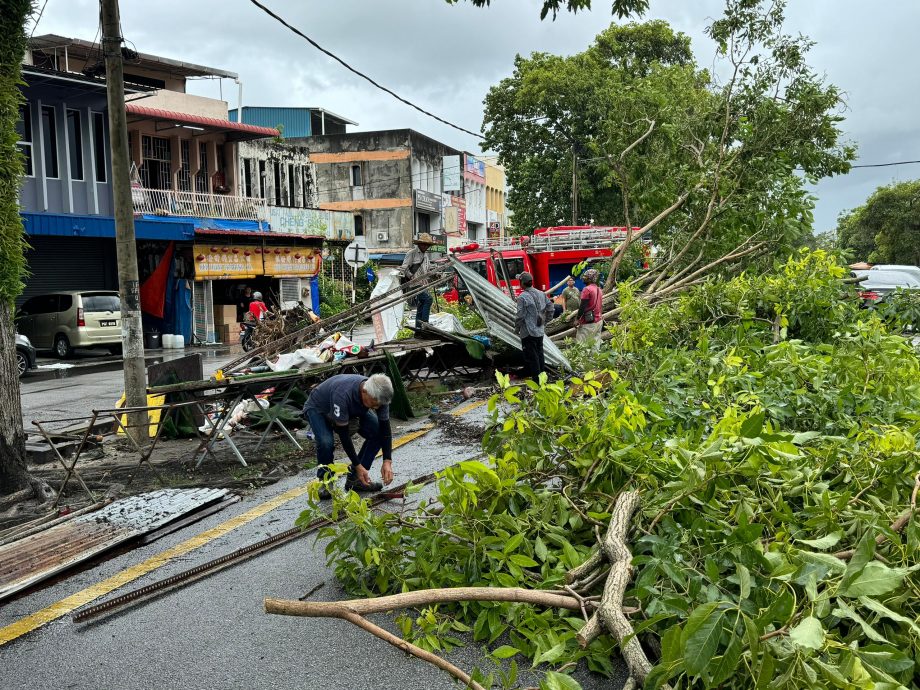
(444, 57)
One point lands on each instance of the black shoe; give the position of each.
(324, 494)
(355, 485)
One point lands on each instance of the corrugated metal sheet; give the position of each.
(35, 558)
(498, 310)
(64, 225)
(294, 121)
(201, 120)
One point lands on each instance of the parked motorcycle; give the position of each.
(246, 330)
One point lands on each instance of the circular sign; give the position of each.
(356, 253)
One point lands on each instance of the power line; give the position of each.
(361, 74)
(883, 165)
(35, 26)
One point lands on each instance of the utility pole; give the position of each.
(574, 185)
(126, 250)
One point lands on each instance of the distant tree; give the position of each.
(886, 229)
(708, 167)
(621, 8)
(13, 14)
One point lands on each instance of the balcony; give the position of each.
(168, 202)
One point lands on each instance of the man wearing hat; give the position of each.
(534, 309)
(417, 262)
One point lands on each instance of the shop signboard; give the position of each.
(427, 201)
(494, 231)
(216, 261)
(451, 174)
(332, 225)
(475, 169)
(291, 262)
(460, 203)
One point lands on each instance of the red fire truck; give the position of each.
(549, 255)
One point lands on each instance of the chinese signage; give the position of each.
(460, 203)
(217, 261)
(291, 262)
(494, 231)
(475, 169)
(333, 225)
(427, 201)
(451, 173)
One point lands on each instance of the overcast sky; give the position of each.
(445, 57)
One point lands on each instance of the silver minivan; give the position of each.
(62, 321)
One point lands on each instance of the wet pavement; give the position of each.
(214, 633)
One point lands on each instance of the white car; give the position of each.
(874, 285)
(900, 268)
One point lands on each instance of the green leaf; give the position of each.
(670, 644)
(539, 548)
(822, 543)
(752, 426)
(728, 662)
(844, 610)
(514, 542)
(700, 637)
(862, 554)
(559, 681)
(550, 655)
(522, 560)
(505, 652)
(875, 578)
(809, 633)
(744, 581)
(882, 610)
(885, 658)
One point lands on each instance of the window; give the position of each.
(359, 225)
(480, 268)
(24, 135)
(49, 141)
(156, 170)
(184, 177)
(261, 179)
(291, 180)
(202, 181)
(424, 222)
(96, 302)
(75, 144)
(356, 180)
(515, 267)
(306, 186)
(276, 168)
(247, 173)
(99, 146)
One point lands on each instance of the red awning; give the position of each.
(242, 131)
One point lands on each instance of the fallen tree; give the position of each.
(777, 539)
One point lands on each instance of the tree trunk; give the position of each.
(13, 13)
(13, 475)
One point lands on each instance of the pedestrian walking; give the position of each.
(418, 262)
(334, 407)
(590, 311)
(534, 309)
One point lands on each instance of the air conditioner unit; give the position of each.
(383, 236)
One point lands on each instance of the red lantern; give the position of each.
(200, 257)
(257, 250)
(287, 251)
(247, 252)
(297, 256)
(277, 251)
(236, 251)
(214, 249)
(226, 250)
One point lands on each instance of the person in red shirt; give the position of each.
(257, 307)
(591, 311)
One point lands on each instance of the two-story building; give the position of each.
(188, 199)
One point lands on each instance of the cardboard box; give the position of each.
(224, 334)
(224, 313)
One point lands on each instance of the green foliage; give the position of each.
(652, 129)
(886, 229)
(12, 241)
(771, 428)
(621, 8)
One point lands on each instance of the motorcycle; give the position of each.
(246, 330)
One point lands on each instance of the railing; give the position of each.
(168, 202)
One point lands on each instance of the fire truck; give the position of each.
(548, 255)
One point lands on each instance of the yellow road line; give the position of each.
(467, 408)
(110, 584)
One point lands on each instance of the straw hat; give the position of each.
(424, 238)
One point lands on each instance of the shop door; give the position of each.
(203, 311)
(58, 264)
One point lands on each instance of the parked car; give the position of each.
(62, 321)
(900, 268)
(25, 355)
(876, 284)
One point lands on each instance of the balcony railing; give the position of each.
(167, 202)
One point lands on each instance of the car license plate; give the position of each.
(108, 322)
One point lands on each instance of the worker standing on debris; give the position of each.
(571, 296)
(332, 407)
(416, 263)
(590, 311)
(534, 309)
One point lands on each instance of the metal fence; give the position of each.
(168, 202)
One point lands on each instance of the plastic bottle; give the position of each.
(179, 341)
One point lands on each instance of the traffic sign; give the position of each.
(356, 253)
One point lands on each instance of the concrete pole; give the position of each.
(126, 249)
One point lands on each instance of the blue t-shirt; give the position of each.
(339, 399)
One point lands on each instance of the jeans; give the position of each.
(422, 308)
(324, 437)
(534, 362)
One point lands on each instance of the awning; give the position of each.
(65, 225)
(236, 131)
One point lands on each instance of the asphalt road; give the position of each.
(88, 382)
(214, 633)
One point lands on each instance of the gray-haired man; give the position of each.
(332, 406)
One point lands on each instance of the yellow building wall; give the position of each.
(495, 189)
